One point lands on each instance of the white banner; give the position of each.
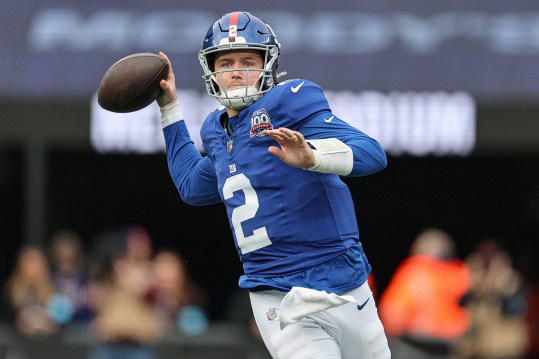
(416, 124)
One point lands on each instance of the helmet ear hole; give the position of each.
(210, 58)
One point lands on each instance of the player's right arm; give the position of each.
(193, 175)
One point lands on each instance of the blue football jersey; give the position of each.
(285, 220)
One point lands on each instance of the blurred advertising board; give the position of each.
(60, 49)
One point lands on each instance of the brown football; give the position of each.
(132, 83)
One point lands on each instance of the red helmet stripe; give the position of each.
(234, 19)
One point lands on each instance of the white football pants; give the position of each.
(344, 332)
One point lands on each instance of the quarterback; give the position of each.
(273, 154)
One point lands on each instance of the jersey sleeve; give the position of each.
(193, 174)
(369, 156)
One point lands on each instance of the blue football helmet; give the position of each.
(240, 31)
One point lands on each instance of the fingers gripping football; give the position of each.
(168, 85)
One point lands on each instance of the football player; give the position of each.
(274, 154)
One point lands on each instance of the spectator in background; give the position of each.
(70, 276)
(532, 317)
(237, 310)
(180, 302)
(497, 306)
(126, 322)
(28, 292)
(420, 309)
(527, 258)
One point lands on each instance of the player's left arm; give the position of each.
(311, 137)
(327, 144)
(331, 136)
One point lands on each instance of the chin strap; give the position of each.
(240, 97)
(332, 156)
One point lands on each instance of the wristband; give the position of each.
(170, 113)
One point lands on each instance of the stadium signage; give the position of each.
(73, 30)
(417, 124)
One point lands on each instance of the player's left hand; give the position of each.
(294, 151)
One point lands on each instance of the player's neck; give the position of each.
(231, 112)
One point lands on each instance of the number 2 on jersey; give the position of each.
(259, 238)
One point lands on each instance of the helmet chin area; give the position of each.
(239, 97)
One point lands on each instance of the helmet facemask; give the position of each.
(239, 97)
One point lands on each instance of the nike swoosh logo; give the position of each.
(328, 120)
(359, 307)
(296, 89)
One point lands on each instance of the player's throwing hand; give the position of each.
(168, 86)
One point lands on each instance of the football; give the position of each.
(132, 83)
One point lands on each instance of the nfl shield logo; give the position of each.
(272, 314)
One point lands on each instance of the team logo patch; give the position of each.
(260, 121)
(272, 314)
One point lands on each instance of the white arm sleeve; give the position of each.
(332, 156)
(170, 113)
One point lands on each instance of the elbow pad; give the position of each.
(332, 156)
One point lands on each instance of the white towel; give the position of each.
(300, 302)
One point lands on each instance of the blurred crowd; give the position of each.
(439, 306)
(127, 295)
(130, 296)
